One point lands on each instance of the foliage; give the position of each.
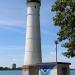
(65, 19)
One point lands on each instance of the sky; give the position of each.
(13, 32)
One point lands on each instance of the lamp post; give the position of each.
(56, 42)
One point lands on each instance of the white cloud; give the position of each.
(11, 47)
(12, 23)
(51, 57)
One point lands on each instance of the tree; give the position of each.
(65, 20)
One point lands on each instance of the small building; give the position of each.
(13, 66)
(54, 68)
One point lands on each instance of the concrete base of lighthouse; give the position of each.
(30, 70)
(55, 68)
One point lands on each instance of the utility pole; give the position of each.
(56, 42)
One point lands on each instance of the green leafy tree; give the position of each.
(65, 19)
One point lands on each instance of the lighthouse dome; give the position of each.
(33, 1)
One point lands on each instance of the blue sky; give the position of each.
(12, 33)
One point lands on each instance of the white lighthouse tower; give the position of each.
(33, 39)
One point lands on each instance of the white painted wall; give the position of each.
(54, 71)
(33, 40)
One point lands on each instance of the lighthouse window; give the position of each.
(35, 6)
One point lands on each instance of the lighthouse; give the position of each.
(33, 38)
